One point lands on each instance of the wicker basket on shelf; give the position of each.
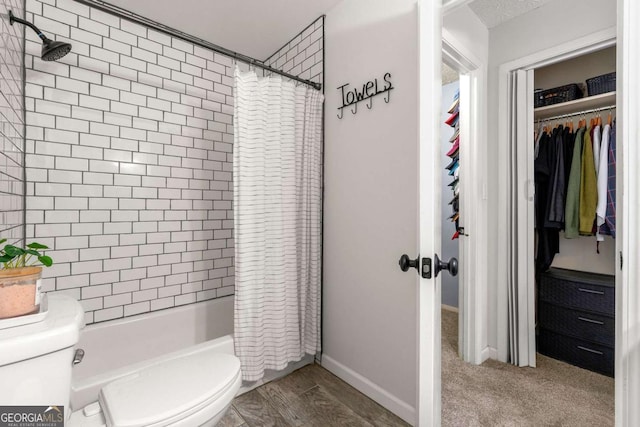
(601, 84)
(557, 95)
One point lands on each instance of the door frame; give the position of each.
(473, 315)
(627, 362)
(549, 56)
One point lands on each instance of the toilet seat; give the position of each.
(168, 392)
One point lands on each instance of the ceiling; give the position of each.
(256, 28)
(494, 12)
(449, 75)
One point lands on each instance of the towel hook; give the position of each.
(341, 112)
(370, 103)
(387, 97)
(356, 110)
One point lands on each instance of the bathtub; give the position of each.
(119, 347)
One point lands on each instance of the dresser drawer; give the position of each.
(580, 353)
(583, 291)
(580, 324)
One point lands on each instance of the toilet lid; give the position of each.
(164, 391)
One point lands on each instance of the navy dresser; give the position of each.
(576, 318)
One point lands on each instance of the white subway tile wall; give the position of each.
(12, 183)
(129, 149)
(303, 55)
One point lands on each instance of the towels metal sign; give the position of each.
(351, 97)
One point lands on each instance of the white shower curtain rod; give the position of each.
(133, 17)
(577, 113)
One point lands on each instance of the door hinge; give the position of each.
(620, 260)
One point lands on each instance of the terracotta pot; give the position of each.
(19, 291)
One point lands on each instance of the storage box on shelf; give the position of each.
(557, 95)
(576, 318)
(601, 84)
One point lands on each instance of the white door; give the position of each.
(428, 292)
(381, 327)
(372, 202)
(628, 183)
(521, 283)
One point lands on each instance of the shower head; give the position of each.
(51, 50)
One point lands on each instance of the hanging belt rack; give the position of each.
(577, 113)
(138, 19)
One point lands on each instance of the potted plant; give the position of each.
(20, 278)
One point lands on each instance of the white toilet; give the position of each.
(36, 365)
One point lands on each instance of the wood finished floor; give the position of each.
(310, 396)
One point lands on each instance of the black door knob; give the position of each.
(451, 266)
(406, 263)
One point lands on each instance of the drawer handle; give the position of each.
(591, 291)
(597, 322)
(590, 350)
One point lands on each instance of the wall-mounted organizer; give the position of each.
(351, 96)
(454, 165)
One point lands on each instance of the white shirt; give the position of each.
(602, 171)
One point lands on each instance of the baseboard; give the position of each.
(488, 353)
(271, 375)
(449, 308)
(373, 391)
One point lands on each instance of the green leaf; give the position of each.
(32, 252)
(46, 260)
(2, 241)
(6, 258)
(36, 245)
(13, 251)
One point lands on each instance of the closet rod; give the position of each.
(577, 113)
(138, 19)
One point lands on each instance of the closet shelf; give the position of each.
(581, 104)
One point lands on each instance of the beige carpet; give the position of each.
(497, 394)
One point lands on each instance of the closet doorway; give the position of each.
(464, 203)
(518, 300)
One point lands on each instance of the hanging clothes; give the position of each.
(596, 137)
(603, 180)
(588, 188)
(572, 204)
(609, 226)
(537, 138)
(568, 142)
(556, 199)
(548, 238)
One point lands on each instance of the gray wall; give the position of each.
(12, 184)
(449, 247)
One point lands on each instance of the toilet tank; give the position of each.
(36, 359)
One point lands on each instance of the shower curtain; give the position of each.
(277, 196)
